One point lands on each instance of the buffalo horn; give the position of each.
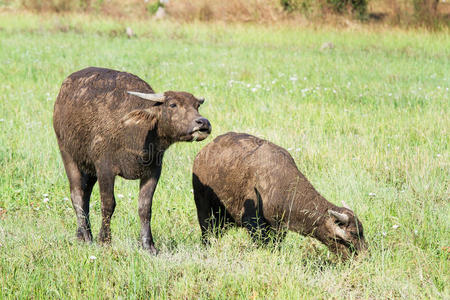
(343, 218)
(151, 97)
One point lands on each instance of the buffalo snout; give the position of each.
(201, 129)
(203, 125)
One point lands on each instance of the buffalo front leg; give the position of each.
(204, 208)
(147, 189)
(106, 185)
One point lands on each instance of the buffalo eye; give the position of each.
(356, 235)
(338, 223)
(172, 105)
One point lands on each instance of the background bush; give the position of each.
(350, 7)
(433, 14)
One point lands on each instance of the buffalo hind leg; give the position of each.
(106, 186)
(81, 185)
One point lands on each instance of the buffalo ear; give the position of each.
(141, 117)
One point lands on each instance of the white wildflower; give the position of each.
(92, 257)
(395, 226)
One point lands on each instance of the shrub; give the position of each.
(425, 10)
(152, 8)
(357, 7)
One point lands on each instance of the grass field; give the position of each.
(367, 122)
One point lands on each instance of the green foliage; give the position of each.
(367, 123)
(152, 7)
(288, 5)
(303, 6)
(359, 7)
(425, 10)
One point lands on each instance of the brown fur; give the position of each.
(250, 182)
(103, 131)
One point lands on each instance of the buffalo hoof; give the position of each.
(104, 237)
(151, 249)
(84, 235)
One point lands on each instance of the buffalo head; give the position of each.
(343, 232)
(175, 115)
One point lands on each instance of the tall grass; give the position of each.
(367, 122)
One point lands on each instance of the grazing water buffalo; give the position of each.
(247, 181)
(111, 123)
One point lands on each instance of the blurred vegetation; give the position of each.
(152, 7)
(352, 7)
(432, 14)
(60, 5)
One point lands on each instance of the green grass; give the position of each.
(367, 122)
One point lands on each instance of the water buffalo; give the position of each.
(111, 123)
(247, 181)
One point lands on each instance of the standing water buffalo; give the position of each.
(111, 123)
(247, 181)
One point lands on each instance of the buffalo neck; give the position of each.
(307, 208)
